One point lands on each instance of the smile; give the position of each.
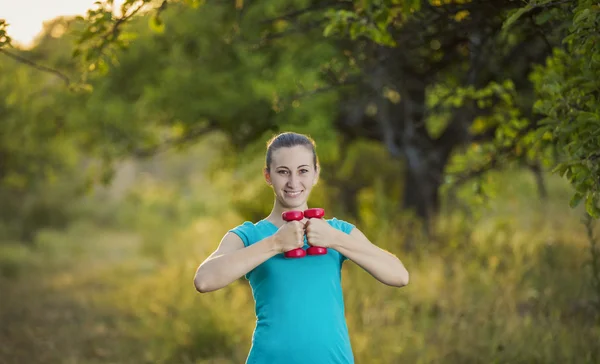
(292, 193)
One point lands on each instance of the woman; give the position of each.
(298, 302)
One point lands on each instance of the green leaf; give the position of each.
(544, 17)
(586, 116)
(581, 16)
(591, 205)
(576, 199)
(329, 29)
(515, 16)
(156, 24)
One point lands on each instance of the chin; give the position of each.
(292, 203)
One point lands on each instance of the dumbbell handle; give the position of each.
(315, 213)
(293, 216)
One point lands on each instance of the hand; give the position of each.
(290, 236)
(320, 233)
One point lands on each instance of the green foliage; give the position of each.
(193, 86)
(594, 258)
(156, 75)
(567, 91)
(15, 259)
(196, 85)
(370, 19)
(37, 150)
(96, 297)
(5, 39)
(499, 100)
(115, 284)
(32, 133)
(104, 35)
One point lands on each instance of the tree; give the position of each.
(567, 87)
(441, 80)
(37, 148)
(427, 80)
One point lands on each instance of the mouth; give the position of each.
(292, 194)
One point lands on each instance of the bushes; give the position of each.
(23, 214)
(508, 284)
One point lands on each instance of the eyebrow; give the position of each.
(304, 165)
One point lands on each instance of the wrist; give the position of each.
(338, 241)
(273, 244)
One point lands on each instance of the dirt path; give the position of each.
(49, 314)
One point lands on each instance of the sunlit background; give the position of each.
(121, 170)
(27, 17)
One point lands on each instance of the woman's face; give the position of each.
(292, 175)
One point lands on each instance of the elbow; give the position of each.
(405, 279)
(202, 284)
(401, 279)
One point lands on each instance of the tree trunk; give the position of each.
(539, 180)
(422, 182)
(420, 194)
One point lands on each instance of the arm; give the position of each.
(382, 265)
(231, 261)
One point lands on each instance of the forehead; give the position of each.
(292, 156)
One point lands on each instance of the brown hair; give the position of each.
(288, 140)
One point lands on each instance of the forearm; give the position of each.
(382, 265)
(221, 270)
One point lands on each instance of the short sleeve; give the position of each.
(246, 232)
(342, 226)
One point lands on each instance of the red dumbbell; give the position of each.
(315, 213)
(293, 216)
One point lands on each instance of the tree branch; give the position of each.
(37, 66)
(495, 160)
(308, 9)
(114, 31)
(351, 81)
(539, 7)
(190, 136)
(301, 29)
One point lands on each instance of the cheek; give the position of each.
(309, 180)
(276, 182)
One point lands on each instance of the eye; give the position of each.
(282, 171)
(304, 171)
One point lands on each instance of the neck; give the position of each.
(278, 209)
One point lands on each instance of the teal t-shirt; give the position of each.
(300, 317)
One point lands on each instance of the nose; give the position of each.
(293, 181)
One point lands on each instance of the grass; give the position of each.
(509, 284)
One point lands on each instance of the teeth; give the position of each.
(293, 193)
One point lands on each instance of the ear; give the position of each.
(267, 176)
(317, 173)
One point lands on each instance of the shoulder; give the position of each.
(245, 231)
(249, 231)
(341, 225)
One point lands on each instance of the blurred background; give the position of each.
(462, 136)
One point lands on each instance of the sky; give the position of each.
(26, 17)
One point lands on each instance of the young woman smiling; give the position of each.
(298, 302)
